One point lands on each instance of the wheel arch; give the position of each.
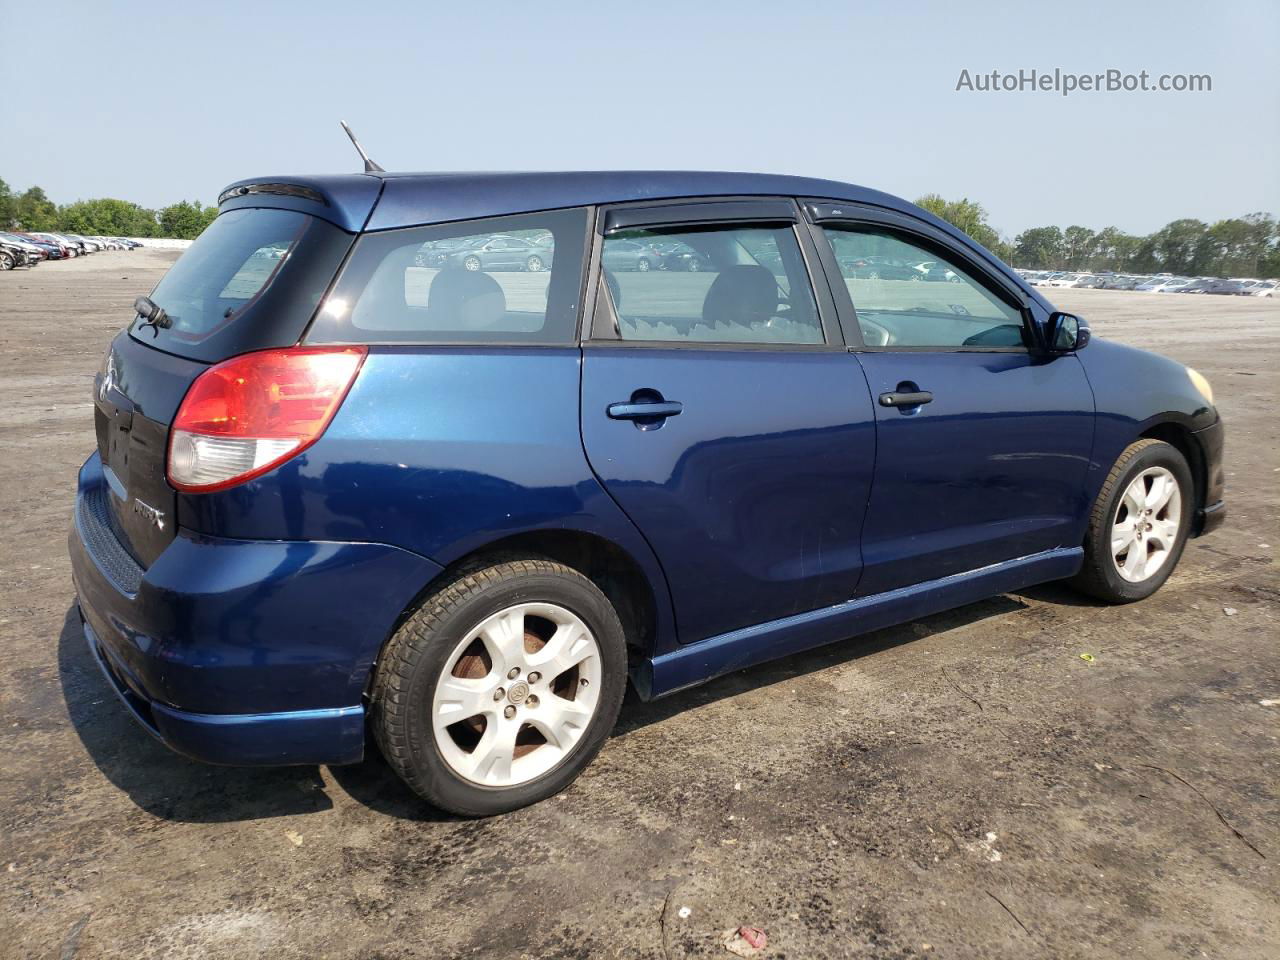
(616, 572)
(1178, 435)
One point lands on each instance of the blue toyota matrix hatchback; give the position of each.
(448, 458)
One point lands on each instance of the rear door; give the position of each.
(983, 438)
(722, 412)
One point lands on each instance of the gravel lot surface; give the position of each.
(963, 786)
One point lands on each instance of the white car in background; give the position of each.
(1065, 280)
(1162, 284)
(1263, 288)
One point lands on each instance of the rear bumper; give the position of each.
(331, 736)
(241, 651)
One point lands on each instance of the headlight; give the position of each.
(1201, 384)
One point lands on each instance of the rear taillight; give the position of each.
(249, 414)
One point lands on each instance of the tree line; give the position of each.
(1247, 246)
(32, 210)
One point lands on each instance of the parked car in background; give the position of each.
(1264, 288)
(1202, 285)
(936, 272)
(68, 249)
(53, 249)
(1064, 280)
(877, 267)
(1228, 288)
(12, 256)
(75, 244)
(1122, 283)
(35, 252)
(629, 255)
(680, 256)
(459, 510)
(1159, 284)
(499, 253)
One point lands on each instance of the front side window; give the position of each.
(503, 280)
(907, 296)
(718, 285)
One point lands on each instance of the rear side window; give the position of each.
(504, 280)
(907, 296)
(716, 285)
(251, 281)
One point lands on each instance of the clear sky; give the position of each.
(155, 102)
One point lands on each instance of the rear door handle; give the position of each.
(643, 411)
(906, 399)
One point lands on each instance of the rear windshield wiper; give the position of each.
(152, 314)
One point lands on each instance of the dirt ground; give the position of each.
(964, 786)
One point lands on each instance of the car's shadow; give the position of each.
(174, 788)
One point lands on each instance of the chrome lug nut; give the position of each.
(499, 694)
(532, 702)
(513, 673)
(583, 681)
(509, 712)
(535, 677)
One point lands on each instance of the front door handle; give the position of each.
(913, 399)
(643, 411)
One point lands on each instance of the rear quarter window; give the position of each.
(503, 280)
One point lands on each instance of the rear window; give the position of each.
(503, 280)
(251, 281)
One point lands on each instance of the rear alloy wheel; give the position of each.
(501, 688)
(516, 694)
(6, 261)
(533, 264)
(642, 265)
(1139, 524)
(471, 263)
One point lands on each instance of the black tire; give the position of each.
(415, 657)
(1099, 577)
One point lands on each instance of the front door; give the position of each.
(736, 433)
(983, 439)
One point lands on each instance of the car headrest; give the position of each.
(466, 299)
(742, 294)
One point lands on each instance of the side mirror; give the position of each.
(1065, 332)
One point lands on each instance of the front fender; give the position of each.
(1136, 392)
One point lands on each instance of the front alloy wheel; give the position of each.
(1148, 519)
(1139, 524)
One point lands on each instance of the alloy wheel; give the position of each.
(517, 694)
(1144, 530)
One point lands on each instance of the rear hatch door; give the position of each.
(252, 281)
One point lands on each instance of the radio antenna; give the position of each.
(369, 165)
